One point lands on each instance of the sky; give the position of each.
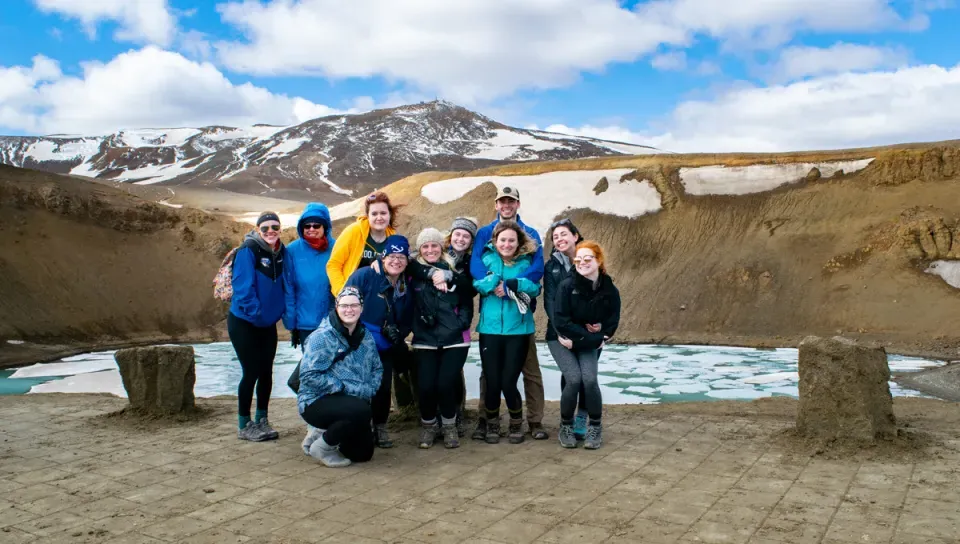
(681, 75)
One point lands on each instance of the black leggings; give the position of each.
(502, 358)
(382, 399)
(582, 395)
(439, 381)
(347, 423)
(256, 348)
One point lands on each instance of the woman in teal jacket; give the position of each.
(505, 322)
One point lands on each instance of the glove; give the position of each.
(392, 333)
(295, 338)
(512, 285)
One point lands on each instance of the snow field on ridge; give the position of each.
(949, 271)
(757, 178)
(543, 197)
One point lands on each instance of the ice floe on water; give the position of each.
(636, 374)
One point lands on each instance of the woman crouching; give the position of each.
(586, 314)
(339, 374)
(506, 323)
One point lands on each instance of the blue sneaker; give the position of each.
(580, 425)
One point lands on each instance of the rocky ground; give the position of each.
(74, 470)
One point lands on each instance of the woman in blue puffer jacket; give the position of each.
(339, 374)
(307, 258)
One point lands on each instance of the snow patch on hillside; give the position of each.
(52, 150)
(155, 173)
(620, 147)
(287, 146)
(506, 143)
(159, 137)
(546, 196)
(949, 271)
(756, 178)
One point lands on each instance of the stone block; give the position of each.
(844, 390)
(158, 379)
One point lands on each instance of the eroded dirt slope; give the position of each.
(83, 263)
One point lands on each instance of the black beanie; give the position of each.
(268, 216)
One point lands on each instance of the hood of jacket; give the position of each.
(254, 236)
(320, 211)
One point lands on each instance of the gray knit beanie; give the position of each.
(429, 234)
(468, 224)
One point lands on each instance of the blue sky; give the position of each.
(686, 75)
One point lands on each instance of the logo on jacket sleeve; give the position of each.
(264, 261)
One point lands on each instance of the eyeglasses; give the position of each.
(267, 228)
(349, 306)
(584, 260)
(314, 226)
(395, 257)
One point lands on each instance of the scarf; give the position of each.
(320, 245)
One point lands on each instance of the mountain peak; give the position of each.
(332, 158)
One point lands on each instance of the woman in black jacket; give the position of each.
(565, 237)
(443, 311)
(586, 315)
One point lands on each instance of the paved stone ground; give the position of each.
(67, 474)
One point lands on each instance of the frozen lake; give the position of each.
(634, 374)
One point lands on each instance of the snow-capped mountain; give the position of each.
(338, 156)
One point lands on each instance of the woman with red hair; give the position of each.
(362, 242)
(586, 315)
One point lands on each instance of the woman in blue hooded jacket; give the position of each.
(259, 299)
(307, 256)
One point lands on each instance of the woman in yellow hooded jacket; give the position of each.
(363, 241)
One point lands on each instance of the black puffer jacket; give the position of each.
(578, 303)
(554, 272)
(440, 319)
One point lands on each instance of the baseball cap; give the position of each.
(508, 192)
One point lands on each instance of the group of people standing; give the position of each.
(350, 304)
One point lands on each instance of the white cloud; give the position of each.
(482, 49)
(802, 61)
(141, 21)
(468, 49)
(672, 61)
(149, 87)
(830, 112)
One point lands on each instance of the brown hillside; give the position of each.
(85, 264)
(845, 254)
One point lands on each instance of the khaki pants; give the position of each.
(532, 386)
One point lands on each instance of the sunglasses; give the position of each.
(584, 260)
(267, 228)
(314, 226)
(565, 222)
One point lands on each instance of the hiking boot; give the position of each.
(252, 432)
(493, 431)
(268, 431)
(461, 430)
(515, 433)
(327, 454)
(382, 436)
(538, 432)
(428, 434)
(313, 434)
(451, 437)
(567, 437)
(480, 433)
(594, 437)
(580, 425)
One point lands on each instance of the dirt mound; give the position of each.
(820, 256)
(87, 264)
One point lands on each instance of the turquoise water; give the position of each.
(629, 374)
